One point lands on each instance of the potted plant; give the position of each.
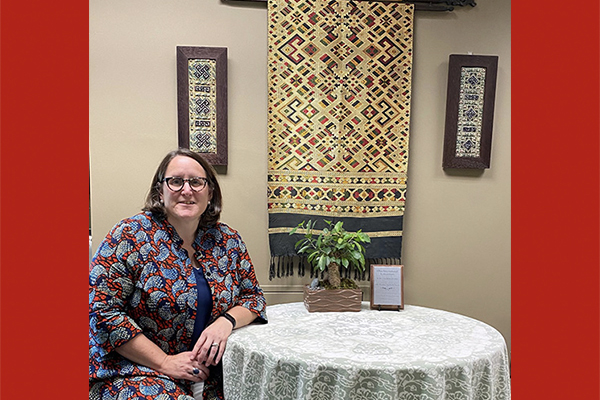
(333, 248)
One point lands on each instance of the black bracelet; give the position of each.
(229, 318)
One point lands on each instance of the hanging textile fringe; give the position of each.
(284, 266)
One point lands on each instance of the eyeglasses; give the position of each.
(175, 183)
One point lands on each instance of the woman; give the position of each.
(167, 287)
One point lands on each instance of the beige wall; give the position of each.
(456, 248)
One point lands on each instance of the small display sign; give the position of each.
(387, 287)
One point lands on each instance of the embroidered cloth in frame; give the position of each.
(203, 105)
(470, 111)
(339, 79)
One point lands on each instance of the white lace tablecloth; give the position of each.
(414, 354)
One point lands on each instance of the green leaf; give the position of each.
(304, 249)
(338, 227)
(322, 264)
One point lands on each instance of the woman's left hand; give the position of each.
(212, 342)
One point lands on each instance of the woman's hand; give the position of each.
(143, 351)
(182, 366)
(212, 342)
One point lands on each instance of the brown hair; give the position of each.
(156, 207)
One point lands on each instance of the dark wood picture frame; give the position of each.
(391, 285)
(469, 112)
(217, 154)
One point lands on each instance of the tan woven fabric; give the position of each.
(339, 107)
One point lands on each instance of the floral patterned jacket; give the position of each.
(142, 282)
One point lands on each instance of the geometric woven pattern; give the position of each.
(470, 111)
(202, 93)
(339, 105)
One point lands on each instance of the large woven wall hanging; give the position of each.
(339, 80)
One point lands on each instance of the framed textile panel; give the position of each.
(202, 101)
(470, 111)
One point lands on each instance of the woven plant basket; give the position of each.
(333, 300)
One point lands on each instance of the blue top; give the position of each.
(204, 306)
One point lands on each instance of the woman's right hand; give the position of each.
(143, 351)
(180, 366)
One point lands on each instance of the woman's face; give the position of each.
(185, 205)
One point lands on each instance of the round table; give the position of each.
(414, 354)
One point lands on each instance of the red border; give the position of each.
(44, 131)
(555, 201)
(44, 199)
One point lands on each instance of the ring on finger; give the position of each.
(195, 371)
(215, 344)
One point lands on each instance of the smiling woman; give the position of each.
(175, 163)
(185, 204)
(161, 308)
